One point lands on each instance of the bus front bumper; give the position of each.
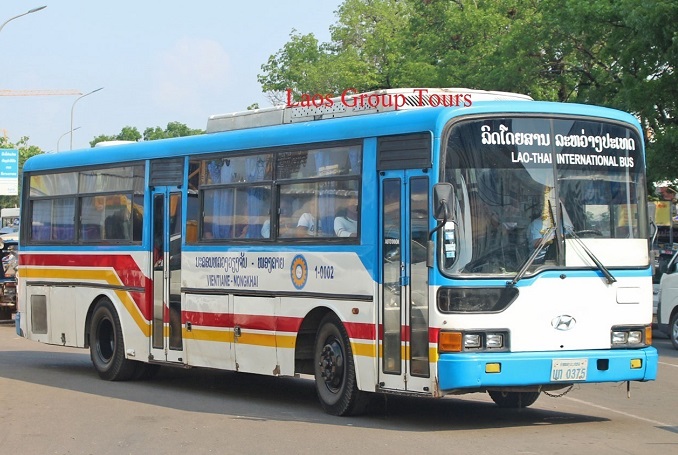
(516, 369)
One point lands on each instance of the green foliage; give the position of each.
(617, 53)
(174, 129)
(364, 53)
(130, 133)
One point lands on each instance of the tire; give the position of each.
(106, 345)
(335, 376)
(673, 330)
(513, 400)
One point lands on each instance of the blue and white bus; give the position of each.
(431, 247)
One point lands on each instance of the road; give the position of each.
(52, 402)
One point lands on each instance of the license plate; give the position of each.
(569, 370)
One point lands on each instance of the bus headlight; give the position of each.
(457, 341)
(495, 340)
(472, 340)
(635, 337)
(630, 337)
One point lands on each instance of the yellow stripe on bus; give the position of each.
(364, 349)
(98, 275)
(222, 336)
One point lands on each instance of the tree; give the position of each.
(363, 53)
(174, 129)
(25, 151)
(130, 133)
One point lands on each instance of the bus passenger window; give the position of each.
(117, 225)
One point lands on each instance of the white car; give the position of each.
(667, 309)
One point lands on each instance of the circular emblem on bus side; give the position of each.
(299, 271)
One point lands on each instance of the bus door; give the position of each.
(166, 335)
(403, 303)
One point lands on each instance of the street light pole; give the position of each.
(34, 10)
(61, 137)
(73, 107)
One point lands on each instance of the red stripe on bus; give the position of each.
(125, 268)
(124, 265)
(355, 330)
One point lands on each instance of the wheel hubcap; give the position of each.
(332, 365)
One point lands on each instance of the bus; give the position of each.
(379, 244)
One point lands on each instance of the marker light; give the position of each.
(636, 363)
(493, 368)
(449, 342)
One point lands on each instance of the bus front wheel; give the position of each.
(335, 375)
(106, 346)
(513, 399)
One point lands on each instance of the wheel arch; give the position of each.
(90, 312)
(365, 369)
(305, 343)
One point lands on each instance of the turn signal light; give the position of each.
(450, 342)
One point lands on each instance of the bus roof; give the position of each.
(349, 104)
(308, 132)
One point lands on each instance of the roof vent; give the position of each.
(351, 104)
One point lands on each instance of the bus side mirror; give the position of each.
(443, 197)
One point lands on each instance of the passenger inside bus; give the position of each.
(116, 226)
(306, 226)
(287, 227)
(346, 222)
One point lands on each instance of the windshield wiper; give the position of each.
(601, 267)
(526, 265)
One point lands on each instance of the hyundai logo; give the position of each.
(563, 322)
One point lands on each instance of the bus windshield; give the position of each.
(526, 182)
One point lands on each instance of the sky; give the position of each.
(157, 61)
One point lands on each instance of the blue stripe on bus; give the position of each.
(461, 370)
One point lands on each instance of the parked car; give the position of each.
(8, 279)
(667, 307)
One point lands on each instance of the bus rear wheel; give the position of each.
(513, 399)
(106, 346)
(335, 376)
